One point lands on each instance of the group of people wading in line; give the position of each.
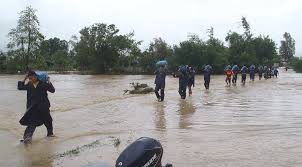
(38, 84)
(262, 71)
(186, 75)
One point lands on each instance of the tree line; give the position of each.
(101, 48)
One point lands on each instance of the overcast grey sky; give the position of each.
(173, 20)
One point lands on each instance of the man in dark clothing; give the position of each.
(183, 80)
(191, 79)
(243, 71)
(265, 69)
(207, 76)
(269, 73)
(160, 81)
(276, 72)
(235, 70)
(260, 72)
(37, 106)
(252, 71)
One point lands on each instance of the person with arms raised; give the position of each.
(37, 106)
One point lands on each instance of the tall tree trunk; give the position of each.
(28, 46)
(22, 50)
(28, 50)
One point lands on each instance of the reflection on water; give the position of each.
(257, 124)
(160, 120)
(186, 111)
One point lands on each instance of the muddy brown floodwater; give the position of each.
(256, 125)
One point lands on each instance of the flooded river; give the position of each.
(256, 125)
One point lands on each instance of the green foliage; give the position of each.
(198, 53)
(265, 50)
(245, 49)
(50, 48)
(101, 48)
(62, 61)
(190, 52)
(26, 35)
(56, 53)
(3, 62)
(158, 50)
(38, 63)
(216, 55)
(297, 65)
(287, 48)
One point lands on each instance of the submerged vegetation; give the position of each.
(102, 48)
(139, 89)
(76, 151)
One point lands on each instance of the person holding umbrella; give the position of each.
(37, 106)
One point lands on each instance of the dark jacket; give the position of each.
(183, 78)
(160, 77)
(207, 72)
(244, 70)
(37, 106)
(191, 78)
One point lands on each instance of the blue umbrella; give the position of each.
(162, 63)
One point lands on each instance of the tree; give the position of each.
(53, 46)
(158, 50)
(265, 49)
(287, 48)
(26, 34)
(237, 47)
(198, 53)
(216, 54)
(14, 62)
(247, 29)
(3, 62)
(61, 60)
(190, 52)
(101, 47)
(245, 49)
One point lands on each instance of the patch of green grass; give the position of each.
(77, 150)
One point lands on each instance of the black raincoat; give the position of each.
(37, 106)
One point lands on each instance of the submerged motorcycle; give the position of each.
(144, 152)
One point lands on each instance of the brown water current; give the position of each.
(256, 125)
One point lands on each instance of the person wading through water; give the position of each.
(260, 72)
(243, 71)
(37, 106)
(191, 80)
(235, 70)
(183, 76)
(228, 72)
(252, 72)
(276, 72)
(160, 82)
(207, 76)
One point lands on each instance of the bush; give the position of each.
(297, 65)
